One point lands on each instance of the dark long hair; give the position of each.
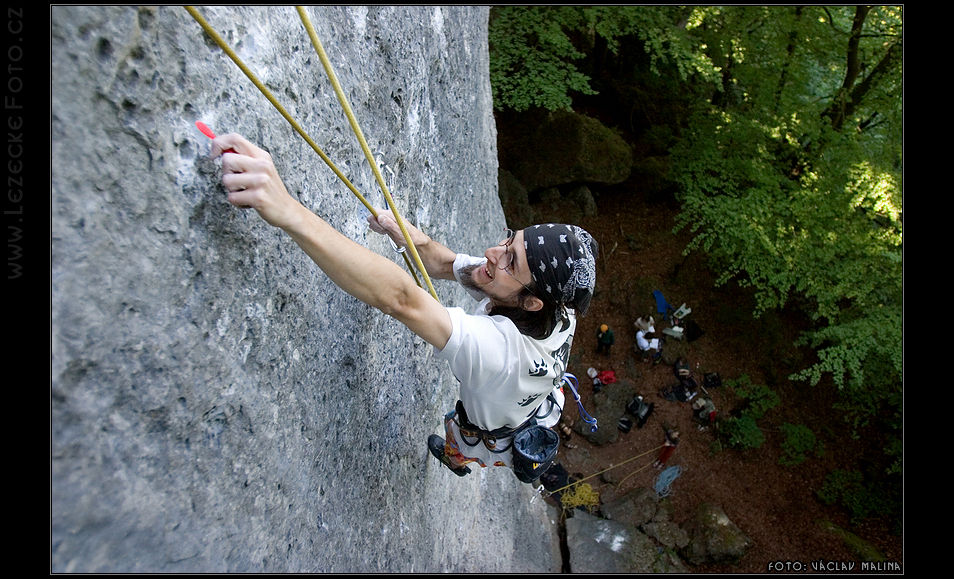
(536, 324)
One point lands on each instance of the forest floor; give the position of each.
(775, 506)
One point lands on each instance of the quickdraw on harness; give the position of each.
(571, 381)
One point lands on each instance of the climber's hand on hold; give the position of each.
(437, 259)
(386, 224)
(250, 177)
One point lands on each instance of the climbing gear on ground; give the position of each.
(607, 377)
(347, 109)
(571, 381)
(640, 410)
(665, 479)
(436, 445)
(534, 449)
(711, 380)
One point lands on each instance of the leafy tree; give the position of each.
(788, 169)
(534, 50)
(799, 442)
(790, 180)
(532, 56)
(740, 429)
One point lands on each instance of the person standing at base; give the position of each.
(604, 340)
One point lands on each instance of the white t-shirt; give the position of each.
(645, 344)
(504, 375)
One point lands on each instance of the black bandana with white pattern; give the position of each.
(562, 260)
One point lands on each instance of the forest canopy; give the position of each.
(784, 135)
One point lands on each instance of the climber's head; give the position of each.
(562, 260)
(504, 276)
(531, 283)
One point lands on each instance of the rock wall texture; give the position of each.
(217, 404)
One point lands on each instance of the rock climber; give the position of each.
(509, 354)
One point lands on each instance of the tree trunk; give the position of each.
(842, 104)
(789, 52)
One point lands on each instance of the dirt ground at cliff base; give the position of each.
(775, 506)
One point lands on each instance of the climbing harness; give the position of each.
(571, 381)
(354, 125)
(532, 446)
(490, 438)
(665, 479)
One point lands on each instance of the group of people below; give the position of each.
(648, 343)
(649, 347)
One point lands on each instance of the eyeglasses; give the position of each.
(506, 260)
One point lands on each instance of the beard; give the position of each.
(467, 278)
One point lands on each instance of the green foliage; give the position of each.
(787, 151)
(757, 399)
(531, 57)
(799, 442)
(663, 32)
(862, 498)
(534, 50)
(795, 191)
(742, 431)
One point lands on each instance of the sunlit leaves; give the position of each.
(532, 57)
(784, 203)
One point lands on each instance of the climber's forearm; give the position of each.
(251, 179)
(437, 259)
(370, 277)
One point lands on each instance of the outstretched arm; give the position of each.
(250, 177)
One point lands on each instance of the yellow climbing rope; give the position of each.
(550, 493)
(357, 131)
(268, 95)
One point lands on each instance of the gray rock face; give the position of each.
(603, 546)
(713, 537)
(217, 404)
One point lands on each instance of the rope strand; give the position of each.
(271, 98)
(346, 107)
(550, 493)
